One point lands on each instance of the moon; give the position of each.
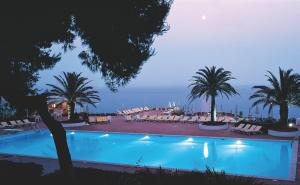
(203, 17)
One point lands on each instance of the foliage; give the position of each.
(117, 35)
(282, 92)
(32, 174)
(74, 89)
(211, 82)
(7, 112)
(16, 173)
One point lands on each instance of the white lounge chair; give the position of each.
(27, 122)
(165, 118)
(193, 119)
(170, 119)
(159, 118)
(253, 130)
(128, 118)
(14, 124)
(238, 127)
(144, 117)
(185, 118)
(5, 125)
(20, 123)
(245, 129)
(176, 118)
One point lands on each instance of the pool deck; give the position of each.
(119, 124)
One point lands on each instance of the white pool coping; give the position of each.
(293, 165)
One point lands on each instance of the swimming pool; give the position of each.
(261, 158)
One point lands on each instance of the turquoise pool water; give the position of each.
(261, 158)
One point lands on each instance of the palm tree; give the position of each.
(74, 90)
(283, 92)
(211, 82)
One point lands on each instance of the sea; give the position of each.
(163, 97)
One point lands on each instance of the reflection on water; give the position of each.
(205, 150)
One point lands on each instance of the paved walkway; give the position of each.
(120, 125)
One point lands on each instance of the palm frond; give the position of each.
(72, 87)
(211, 82)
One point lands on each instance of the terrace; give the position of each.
(119, 124)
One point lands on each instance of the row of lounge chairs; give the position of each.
(163, 118)
(133, 111)
(16, 124)
(168, 118)
(247, 129)
(99, 119)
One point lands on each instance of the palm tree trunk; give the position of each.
(284, 114)
(212, 109)
(72, 110)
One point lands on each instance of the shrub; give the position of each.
(16, 173)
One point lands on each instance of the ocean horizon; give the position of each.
(130, 97)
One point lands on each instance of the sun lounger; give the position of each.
(193, 119)
(14, 124)
(185, 118)
(5, 125)
(151, 118)
(154, 117)
(238, 127)
(165, 118)
(176, 118)
(201, 119)
(245, 129)
(1, 126)
(253, 130)
(27, 122)
(144, 118)
(170, 118)
(159, 118)
(128, 118)
(20, 123)
(257, 130)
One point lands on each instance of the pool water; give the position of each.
(261, 158)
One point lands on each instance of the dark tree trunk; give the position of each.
(72, 110)
(284, 114)
(212, 109)
(56, 129)
(59, 137)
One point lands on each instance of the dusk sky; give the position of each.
(246, 37)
